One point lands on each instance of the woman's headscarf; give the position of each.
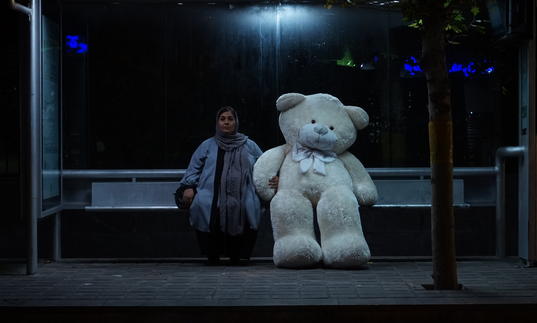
(236, 172)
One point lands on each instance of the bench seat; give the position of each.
(159, 196)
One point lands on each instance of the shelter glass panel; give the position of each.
(142, 80)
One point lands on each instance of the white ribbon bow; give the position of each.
(312, 157)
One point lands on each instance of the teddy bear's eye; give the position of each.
(313, 121)
(331, 128)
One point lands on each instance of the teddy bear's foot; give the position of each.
(296, 251)
(346, 251)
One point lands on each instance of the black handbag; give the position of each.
(178, 195)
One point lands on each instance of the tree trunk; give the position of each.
(441, 150)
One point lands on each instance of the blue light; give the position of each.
(72, 41)
(470, 69)
(82, 48)
(411, 67)
(73, 44)
(455, 68)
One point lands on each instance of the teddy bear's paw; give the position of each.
(296, 251)
(367, 195)
(261, 185)
(346, 251)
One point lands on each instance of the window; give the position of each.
(144, 91)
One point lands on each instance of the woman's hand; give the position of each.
(273, 182)
(188, 196)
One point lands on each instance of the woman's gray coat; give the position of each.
(200, 174)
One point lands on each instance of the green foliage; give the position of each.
(457, 16)
(346, 60)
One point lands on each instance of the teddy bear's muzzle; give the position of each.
(321, 130)
(317, 136)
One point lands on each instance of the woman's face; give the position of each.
(226, 122)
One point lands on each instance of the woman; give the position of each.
(218, 188)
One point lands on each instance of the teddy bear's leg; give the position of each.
(294, 236)
(342, 239)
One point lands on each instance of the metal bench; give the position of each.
(133, 196)
(139, 191)
(413, 193)
(158, 196)
(151, 191)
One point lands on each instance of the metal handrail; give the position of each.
(20, 8)
(176, 173)
(501, 154)
(123, 173)
(426, 171)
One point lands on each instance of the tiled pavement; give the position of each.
(191, 285)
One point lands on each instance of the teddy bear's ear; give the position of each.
(289, 100)
(358, 116)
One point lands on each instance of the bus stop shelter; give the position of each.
(497, 287)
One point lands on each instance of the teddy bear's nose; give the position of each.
(320, 130)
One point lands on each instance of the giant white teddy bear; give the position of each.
(317, 174)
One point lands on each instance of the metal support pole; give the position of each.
(34, 130)
(501, 154)
(57, 237)
(35, 135)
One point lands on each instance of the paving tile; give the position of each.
(192, 284)
(247, 296)
(227, 296)
(285, 295)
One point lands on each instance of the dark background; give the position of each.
(145, 93)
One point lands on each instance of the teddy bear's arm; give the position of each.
(363, 186)
(266, 167)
